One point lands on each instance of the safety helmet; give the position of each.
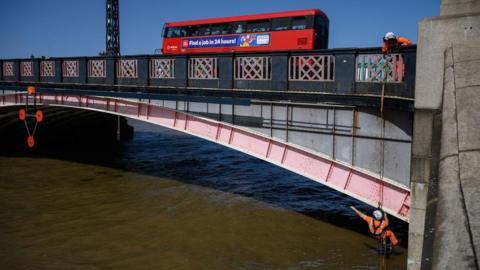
(390, 35)
(377, 214)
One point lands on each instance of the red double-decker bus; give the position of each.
(291, 30)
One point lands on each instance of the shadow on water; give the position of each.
(90, 138)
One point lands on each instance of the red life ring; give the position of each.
(39, 116)
(30, 141)
(21, 114)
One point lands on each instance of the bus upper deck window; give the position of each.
(220, 29)
(205, 30)
(173, 32)
(168, 32)
(192, 31)
(299, 23)
(237, 27)
(279, 24)
(227, 29)
(258, 26)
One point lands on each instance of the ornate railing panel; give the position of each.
(380, 68)
(127, 68)
(97, 69)
(162, 68)
(47, 68)
(253, 68)
(203, 68)
(26, 69)
(8, 69)
(70, 68)
(311, 68)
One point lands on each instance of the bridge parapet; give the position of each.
(336, 71)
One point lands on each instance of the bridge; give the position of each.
(375, 127)
(340, 117)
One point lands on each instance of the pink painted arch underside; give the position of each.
(349, 180)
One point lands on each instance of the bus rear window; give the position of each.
(258, 26)
(299, 23)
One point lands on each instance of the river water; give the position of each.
(166, 200)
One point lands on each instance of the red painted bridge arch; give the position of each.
(362, 185)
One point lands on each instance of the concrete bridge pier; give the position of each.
(445, 210)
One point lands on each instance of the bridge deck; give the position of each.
(362, 77)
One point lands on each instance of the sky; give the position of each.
(59, 28)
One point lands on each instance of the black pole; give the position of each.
(113, 28)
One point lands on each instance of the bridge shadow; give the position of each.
(90, 137)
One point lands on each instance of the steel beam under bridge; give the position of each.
(365, 186)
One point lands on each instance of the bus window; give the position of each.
(258, 26)
(310, 22)
(204, 30)
(299, 23)
(183, 32)
(321, 29)
(173, 32)
(220, 29)
(227, 29)
(279, 24)
(237, 27)
(164, 31)
(191, 31)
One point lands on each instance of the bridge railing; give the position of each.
(341, 71)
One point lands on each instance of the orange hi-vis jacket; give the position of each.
(401, 41)
(378, 228)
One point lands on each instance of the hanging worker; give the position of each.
(392, 42)
(378, 225)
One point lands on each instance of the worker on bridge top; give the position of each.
(392, 42)
(378, 225)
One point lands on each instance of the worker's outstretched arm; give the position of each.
(362, 215)
(404, 41)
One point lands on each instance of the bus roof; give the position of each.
(304, 12)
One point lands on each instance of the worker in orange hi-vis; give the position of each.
(378, 225)
(392, 42)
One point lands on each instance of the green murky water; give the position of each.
(64, 215)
